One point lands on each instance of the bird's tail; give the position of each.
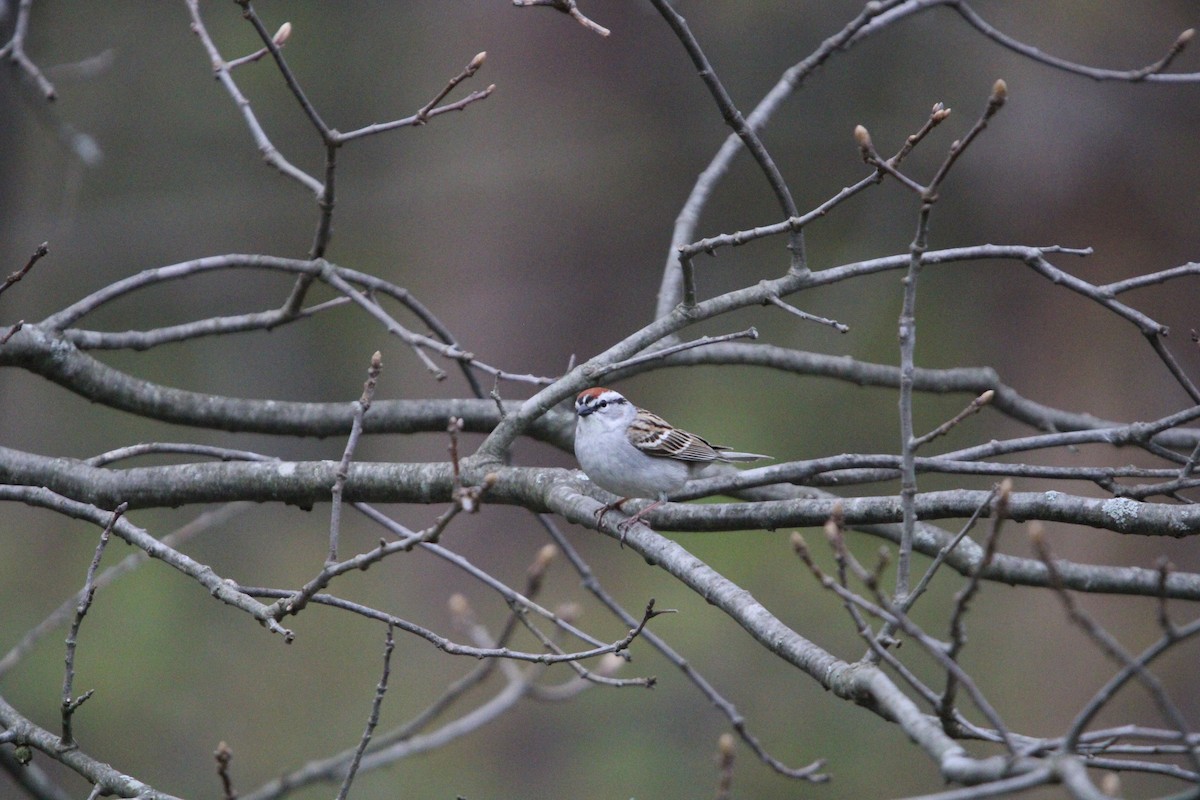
(732, 456)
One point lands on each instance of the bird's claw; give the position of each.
(624, 525)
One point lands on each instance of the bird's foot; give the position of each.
(605, 509)
(624, 526)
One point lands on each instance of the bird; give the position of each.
(632, 452)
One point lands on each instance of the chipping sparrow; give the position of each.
(633, 453)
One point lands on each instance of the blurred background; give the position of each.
(535, 224)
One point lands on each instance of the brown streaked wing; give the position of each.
(652, 435)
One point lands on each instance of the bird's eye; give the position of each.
(604, 404)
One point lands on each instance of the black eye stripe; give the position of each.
(595, 403)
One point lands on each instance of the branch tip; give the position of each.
(999, 92)
(862, 137)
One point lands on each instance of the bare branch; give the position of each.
(1109, 645)
(221, 72)
(217, 587)
(467, 72)
(568, 7)
(70, 703)
(373, 720)
(1150, 72)
(280, 38)
(14, 51)
(37, 256)
(339, 484)
(738, 124)
(655, 355)
(974, 407)
(224, 757)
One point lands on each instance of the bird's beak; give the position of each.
(583, 411)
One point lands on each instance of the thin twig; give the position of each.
(299, 599)
(710, 245)
(879, 646)
(1150, 72)
(737, 721)
(882, 166)
(222, 73)
(465, 497)
(670, 287)
(416, 120)
(14, 51)
(467, 72)
(380, 690)
(996, 101)
(289, 78)
(974, 407)
(174, 448)
(739, 126)
(1109, 645)
(619, 651)
(335, 765)
(936, 649)
(12, 331)
(907, 337)
(445, 644)
(280, 38)
(38, 255)
(224, 758)
(202, 523)
(569, 8)
(962, 599)
(360, 410)
(837, 326)
(220, 588)
(949, 547)
(654, 355)
(513, 598)
(347, 282)
(908, 332)
(1151, 279)
(70, 703)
